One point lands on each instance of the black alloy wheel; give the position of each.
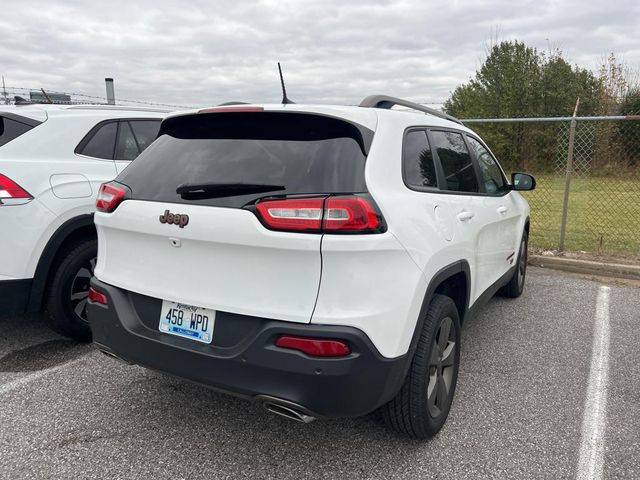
(441, 368)
(80, 289)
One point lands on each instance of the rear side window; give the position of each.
(102, 142)
(458, 169)
(145, 131)
(11, 129)
(417, 160)
(134, 136)
(119, 139)
(126, 147)
(303, 153)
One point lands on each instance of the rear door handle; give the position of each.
(465, 216)
(502, 210)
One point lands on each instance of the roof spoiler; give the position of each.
(384, 101)
(227, 104)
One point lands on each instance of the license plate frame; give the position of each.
(194, 323)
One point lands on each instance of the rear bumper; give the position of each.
(335, 387)
(14, 296)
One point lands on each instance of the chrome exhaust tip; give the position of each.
(288, 412)
(286, 409)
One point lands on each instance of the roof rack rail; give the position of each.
(101, 106)
(384, 101)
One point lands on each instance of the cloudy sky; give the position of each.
(205, 52)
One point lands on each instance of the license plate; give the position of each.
(187, 321)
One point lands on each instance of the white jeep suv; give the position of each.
(53, 160)
(317, 259)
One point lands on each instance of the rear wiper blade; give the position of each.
(196, 191)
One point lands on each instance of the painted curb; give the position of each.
(589, 267)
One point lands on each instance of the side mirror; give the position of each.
(522, 181)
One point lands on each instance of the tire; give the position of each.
(515, 287)
(418, 410)
(66, 298)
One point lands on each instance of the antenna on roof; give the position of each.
(285, 100)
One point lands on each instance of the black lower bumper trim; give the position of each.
(14, 296)
(353, 385)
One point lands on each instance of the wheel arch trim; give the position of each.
(51, 250)
(445, 273)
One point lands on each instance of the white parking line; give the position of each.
(19, 382)
(591, 460)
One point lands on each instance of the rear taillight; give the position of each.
(350, 214)
(97, 297)
(340, 214)
(109, 197)
(12, 193)
(316, 347)
(292, 214)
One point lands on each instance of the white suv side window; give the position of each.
(119, 139)
(134, 136)
(490, 172)
(102, 142)
(126, 146)
(457, 166)
(417, 161)
(145, 131)
(11, 129)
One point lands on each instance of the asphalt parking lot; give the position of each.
(67, 411)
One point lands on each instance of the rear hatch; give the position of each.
(190, 228)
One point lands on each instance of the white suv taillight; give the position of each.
(341, 214)
(11, 193)
(292, 214)
(351, 214)
(110, 196)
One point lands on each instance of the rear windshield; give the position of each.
(12, 128)
(303, 153)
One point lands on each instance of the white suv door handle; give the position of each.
(465, 216)
(502, 210)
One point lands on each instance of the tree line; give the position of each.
(517, 80)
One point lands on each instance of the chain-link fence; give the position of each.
(594, 160)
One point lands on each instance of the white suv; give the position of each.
(317, 259)
(52, 161)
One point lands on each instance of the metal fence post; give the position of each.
(567, 177)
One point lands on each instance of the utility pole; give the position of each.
(111, 96)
